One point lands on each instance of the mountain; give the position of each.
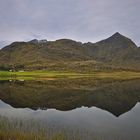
(38, 55)
(115, 52)
(117, 41)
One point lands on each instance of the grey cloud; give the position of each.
(84, 20)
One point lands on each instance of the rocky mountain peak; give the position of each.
(117, 40)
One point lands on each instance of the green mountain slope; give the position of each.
(116, 50)
(113, 53)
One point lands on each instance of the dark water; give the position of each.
(108, 108)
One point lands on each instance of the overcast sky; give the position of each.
(81, 20)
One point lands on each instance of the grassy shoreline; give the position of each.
(51, 75)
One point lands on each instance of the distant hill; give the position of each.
(115, 52)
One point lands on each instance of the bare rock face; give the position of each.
(43, 41)
(35, 41)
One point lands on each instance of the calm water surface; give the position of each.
(106, 108)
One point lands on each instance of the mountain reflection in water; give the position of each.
(115, 96)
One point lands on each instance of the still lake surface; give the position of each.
(106, 108)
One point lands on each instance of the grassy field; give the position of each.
(50, 75)
(16, 129)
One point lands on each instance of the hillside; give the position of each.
(115, 52)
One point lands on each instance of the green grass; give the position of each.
(15, 129)
(50, 75)
(17, 135)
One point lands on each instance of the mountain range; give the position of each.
(115, 52)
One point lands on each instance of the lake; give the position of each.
(86, 108)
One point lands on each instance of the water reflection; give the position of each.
(117, 97)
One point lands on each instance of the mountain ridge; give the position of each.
(117, 52)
